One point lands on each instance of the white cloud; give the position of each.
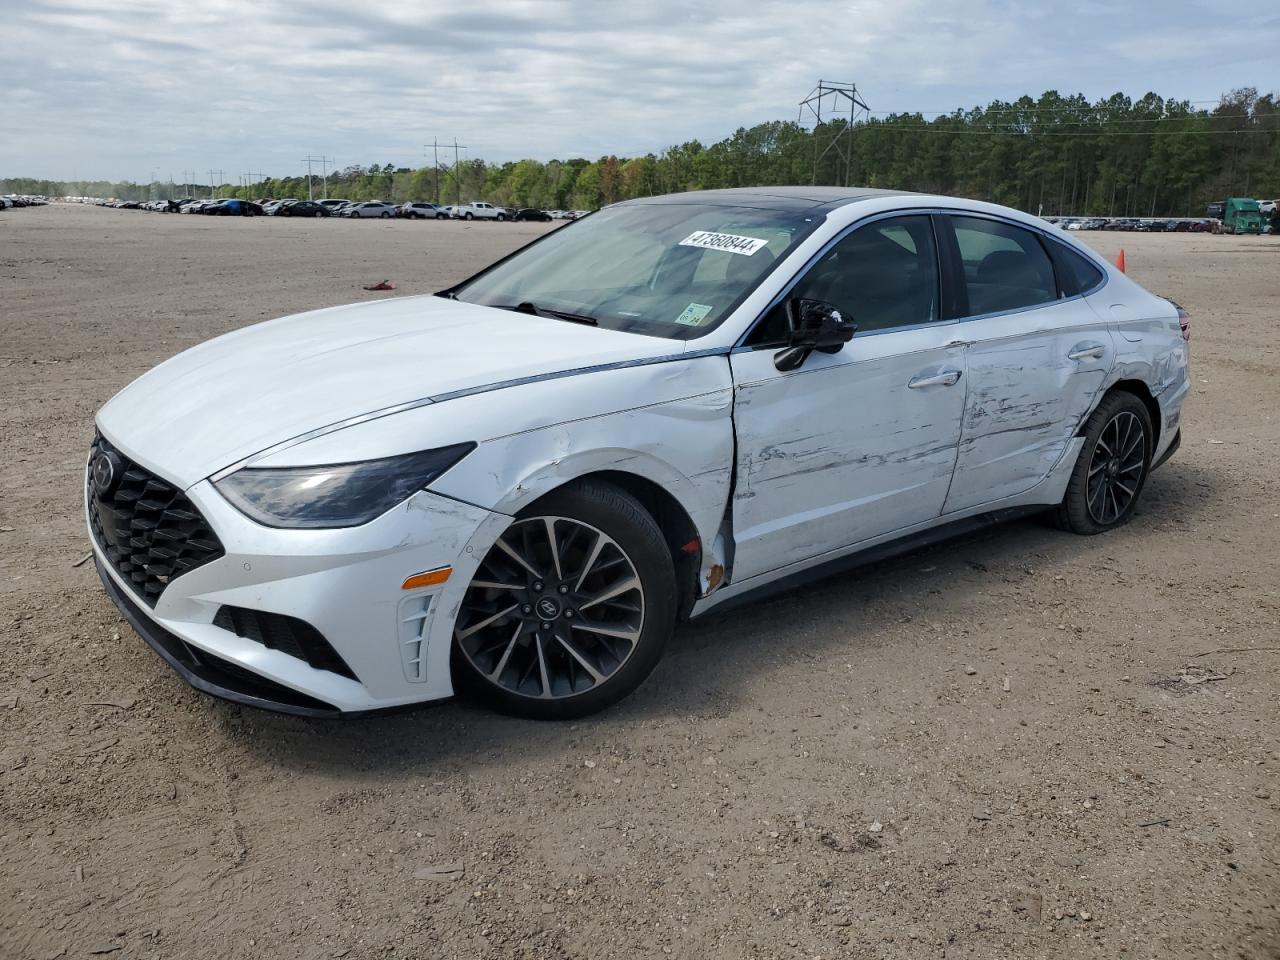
(119, 88)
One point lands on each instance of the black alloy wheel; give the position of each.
(570, 609)
(1112, 469)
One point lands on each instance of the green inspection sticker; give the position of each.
(694, 314)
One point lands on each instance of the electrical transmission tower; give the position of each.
(834, 97)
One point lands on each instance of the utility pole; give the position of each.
(435, 167)
(457, 183)
(324, 161)
(212, 188)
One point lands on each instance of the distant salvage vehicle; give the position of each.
(369, 208)
(529, 213)
(1241, 215)
(421, 210)
(303, 208)
(477, 210)
(234, 208)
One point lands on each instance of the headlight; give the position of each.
(340, 495)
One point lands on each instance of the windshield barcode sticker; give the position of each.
(727, 242)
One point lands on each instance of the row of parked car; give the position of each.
(355, 210)
(1141, 225)
(11, 201)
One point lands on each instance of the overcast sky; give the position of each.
(120, 89)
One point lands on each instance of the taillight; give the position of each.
(1184, 321)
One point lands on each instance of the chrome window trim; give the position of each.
(932, 210)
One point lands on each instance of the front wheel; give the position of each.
(1112, 468)
(571, 608)
(501, 217)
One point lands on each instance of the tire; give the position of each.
(286, 212)
(468, 216)
(541, 657)
(1107, 483)
(501, 217)
(385, 215)
(442, 216)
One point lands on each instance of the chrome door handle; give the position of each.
(1087, 351)
(947, 378)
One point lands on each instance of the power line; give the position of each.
(1011, 131)
(1016, 109)
(1166, 118)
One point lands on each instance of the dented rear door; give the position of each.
(1034, 374)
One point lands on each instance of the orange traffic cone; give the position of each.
(1120, 260)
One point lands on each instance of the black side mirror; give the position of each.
(813, 325)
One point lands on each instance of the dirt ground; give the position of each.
(990, 749)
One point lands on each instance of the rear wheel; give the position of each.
(1112, 468)
(468, 216)
(571, 608)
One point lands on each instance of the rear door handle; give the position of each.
(1087, 351)
(947, 378)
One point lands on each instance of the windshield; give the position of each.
(663, 269)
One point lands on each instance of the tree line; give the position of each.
(1049, 155)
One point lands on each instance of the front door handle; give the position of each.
(1087, 351)
(947, 378)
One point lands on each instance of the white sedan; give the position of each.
(521, 484)
(370, 208)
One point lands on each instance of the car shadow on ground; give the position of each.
(713, 660)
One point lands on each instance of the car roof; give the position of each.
(795, 198)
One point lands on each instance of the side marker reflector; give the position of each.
(428, 579)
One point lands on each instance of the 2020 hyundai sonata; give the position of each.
(522, 483)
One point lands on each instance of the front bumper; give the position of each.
(345, 583)
(206, 672)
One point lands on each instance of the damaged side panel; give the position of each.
(1033, 376)
(681, 439)
(846, 448)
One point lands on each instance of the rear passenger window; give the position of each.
(1005, 267)
(1076, 275)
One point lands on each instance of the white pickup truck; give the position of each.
(476, 210)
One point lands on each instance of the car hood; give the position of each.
(232, 397)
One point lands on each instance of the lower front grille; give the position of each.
(148, 529)
(204, 671)
(289, 635)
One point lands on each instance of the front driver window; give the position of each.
(881, 275)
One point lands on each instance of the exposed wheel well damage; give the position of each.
(677, 528)
(1140, 390)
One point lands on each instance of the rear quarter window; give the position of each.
(1076, 274)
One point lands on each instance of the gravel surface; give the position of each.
(995, 748)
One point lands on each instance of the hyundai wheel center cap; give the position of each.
(548, 608)
(104, 473)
